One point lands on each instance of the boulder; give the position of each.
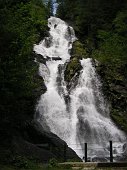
(42, 144)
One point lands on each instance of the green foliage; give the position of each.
(119, 119)
(66, 166)
(112, 53)
(33, 167)
(50, 7)
(72, 68)
(20, 162)
(89, 15)
(113, 44)
(120, 23)
(22, 23)
(53, 163)
(113, 49)
(79, 50)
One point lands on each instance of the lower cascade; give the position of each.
(79, 115)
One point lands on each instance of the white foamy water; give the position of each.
(85, 117)
(91, 119)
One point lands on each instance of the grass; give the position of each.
(34, 167)
(118, 168)
(41, 167)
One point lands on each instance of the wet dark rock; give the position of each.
(44, 142)
(73, 67)
(39, 58)
(48, 58)
(56, 58)
(99, 159)
(31, 141)
(67, 99)
(68, 34)
(78, 50)
(72, 71)
(48, 42)
(125, 149)
(55, 25)
(115, 90)
(41, 87)
(30, 150)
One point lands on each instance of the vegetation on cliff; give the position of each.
(112, 53)
(101, 26)
(22, 24)
(73, 67)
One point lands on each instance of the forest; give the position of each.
(101, 29)
(22, 24)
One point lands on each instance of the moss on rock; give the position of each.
(115, 89)
(72, 68)
(119, 119)
(79, 50)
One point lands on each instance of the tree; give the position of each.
(50, 7)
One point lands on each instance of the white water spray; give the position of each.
(87, 119)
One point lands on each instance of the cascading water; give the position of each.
(91, 116)
(80, 115)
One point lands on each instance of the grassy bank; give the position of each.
(33, 167)
(42, 167)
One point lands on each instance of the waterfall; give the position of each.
(81, 114)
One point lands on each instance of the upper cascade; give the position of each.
(59, 42)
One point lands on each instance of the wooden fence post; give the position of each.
(111, 151)
(85, 147)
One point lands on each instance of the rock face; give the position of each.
(72, 72)
(41, 145)
(115, 89)
(73, 67)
